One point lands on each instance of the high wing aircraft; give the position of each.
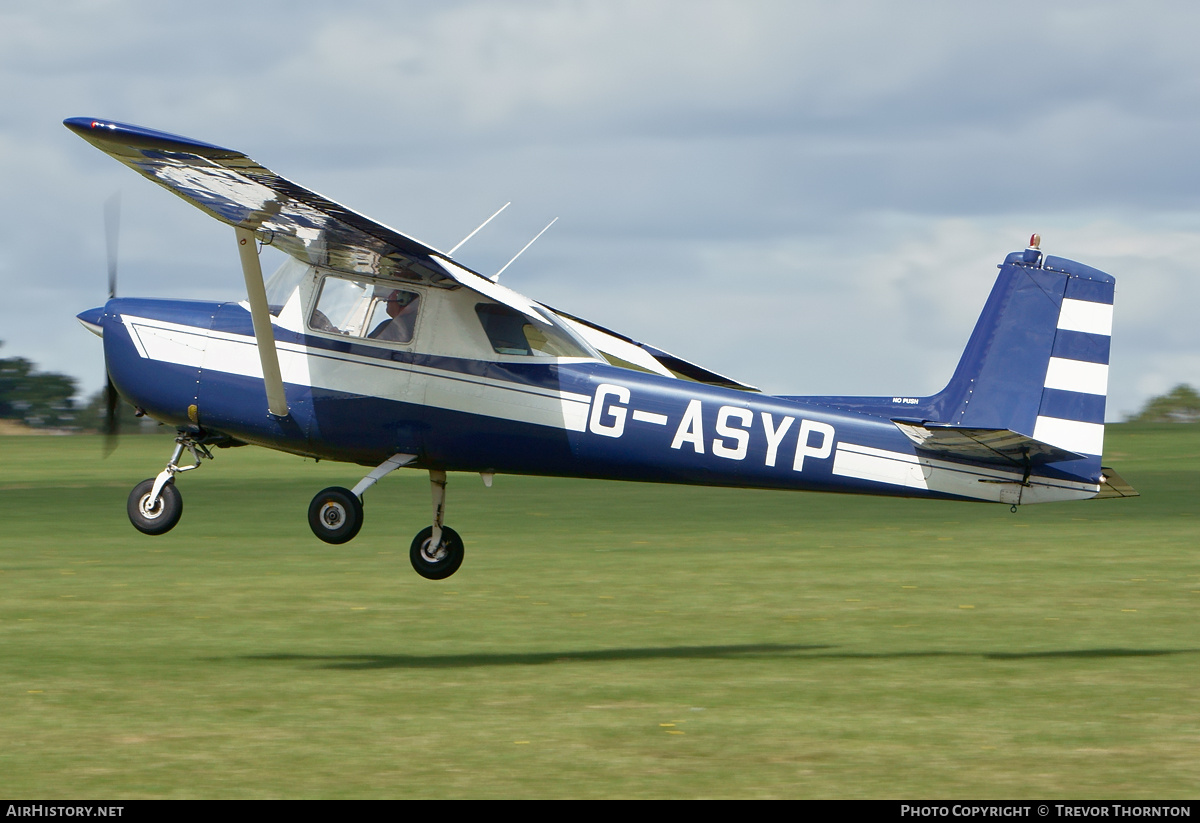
(372, 348)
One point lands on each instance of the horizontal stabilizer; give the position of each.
(985, 445)
(1113, 485)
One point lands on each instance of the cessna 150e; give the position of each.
(370, 347)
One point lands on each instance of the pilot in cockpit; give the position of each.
(401, 307)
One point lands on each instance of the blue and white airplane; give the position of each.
(370, 347)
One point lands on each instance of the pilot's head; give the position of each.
(397, 301)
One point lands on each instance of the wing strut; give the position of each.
(256, 292)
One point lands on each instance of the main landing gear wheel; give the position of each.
(335, 515)
(162, 516)
(439, 563)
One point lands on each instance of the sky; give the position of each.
(810, 197)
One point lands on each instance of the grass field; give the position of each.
(601, 639)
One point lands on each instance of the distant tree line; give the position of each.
(1180, 405)
(43, 400)
(46, 400)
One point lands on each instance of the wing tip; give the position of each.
(99, 131)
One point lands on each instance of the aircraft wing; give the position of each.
(234, 189)
(985, 445)
(625, 351)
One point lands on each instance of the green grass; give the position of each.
(801, 645)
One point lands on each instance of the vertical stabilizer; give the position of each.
(1037, 361)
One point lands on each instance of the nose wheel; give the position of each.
(155, 505)
(151, 515)
(436, 562)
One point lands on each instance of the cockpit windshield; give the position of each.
(283, 282)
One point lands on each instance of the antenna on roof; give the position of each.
(481, 225)
(495, 278)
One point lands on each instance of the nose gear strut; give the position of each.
(156, 505)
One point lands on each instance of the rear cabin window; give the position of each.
(511, 332)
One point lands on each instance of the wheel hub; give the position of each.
(148, 511)
(433, 554)
(333, 515)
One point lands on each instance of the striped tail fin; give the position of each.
(1037, 362)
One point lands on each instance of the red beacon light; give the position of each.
(1035, 241)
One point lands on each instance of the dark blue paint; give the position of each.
(1070, 405)
(999, 381)
(1077, 345)
(1078, 270)
(1091, 289)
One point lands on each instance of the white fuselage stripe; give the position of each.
(979, 482)
(359, 375)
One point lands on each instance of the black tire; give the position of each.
(440, 564)
(335, 515)
(163, 516)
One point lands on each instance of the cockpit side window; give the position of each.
(511, 332)
(394, 316)
(362, 308)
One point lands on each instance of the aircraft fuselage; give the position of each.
(195, 364)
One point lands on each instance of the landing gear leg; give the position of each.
(336, 514)
(156, 505)
(437, 550)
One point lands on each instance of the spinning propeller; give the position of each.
(112, 233)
